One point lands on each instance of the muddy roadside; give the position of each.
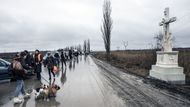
(141, 72)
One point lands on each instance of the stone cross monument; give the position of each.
(167, 41)
(166, 68)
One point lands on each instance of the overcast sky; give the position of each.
(53, 24)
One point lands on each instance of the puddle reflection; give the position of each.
(72, 63)
(86, 59)
(63, 76)
(51, 103)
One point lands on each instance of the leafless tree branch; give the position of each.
(107, 25)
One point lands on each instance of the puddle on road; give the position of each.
(80, 87)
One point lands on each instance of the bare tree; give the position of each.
(107, 25)
(117, 48)
(159, 38)
(79, 48)
(125, 44)
(151, 46)
(84, 46)
(88, 46)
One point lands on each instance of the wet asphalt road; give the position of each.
(88, 82)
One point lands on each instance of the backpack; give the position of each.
(49, 62)
(16, 65)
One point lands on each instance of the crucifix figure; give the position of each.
(167, 41)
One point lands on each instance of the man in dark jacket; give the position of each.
(56, 59)
(63, 60)
(70, 54)
(19, 74)
(50, 63)
(28, 58)
(23, 61)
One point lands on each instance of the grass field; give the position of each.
(139, 62)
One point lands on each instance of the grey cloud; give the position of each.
(53, 24)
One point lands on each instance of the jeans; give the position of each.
(19, 88)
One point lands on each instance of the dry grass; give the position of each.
(139, 62)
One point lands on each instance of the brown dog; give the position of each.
(53, 90)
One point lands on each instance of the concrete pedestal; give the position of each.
(167, 68)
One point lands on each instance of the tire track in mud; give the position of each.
(125, 93)
(136, 97)
(133, 92)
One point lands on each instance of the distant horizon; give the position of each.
(91, 50)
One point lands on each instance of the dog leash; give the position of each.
(49, 82)
(45, 79)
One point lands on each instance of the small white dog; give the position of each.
(46, 91)
(40, 92)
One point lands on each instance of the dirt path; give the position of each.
(138, 94)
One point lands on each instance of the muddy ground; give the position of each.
(139, 92)
(139, 63)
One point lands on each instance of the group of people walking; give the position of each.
(53, 63)
(24, 61)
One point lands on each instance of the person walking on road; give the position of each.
(38, 64)
(29, 59)
(24, 63)
(70, 54)
(57, 59)
(50, 63)
(63, 60)
(19, 74)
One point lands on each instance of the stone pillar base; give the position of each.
(167, 69)
(172, 75)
